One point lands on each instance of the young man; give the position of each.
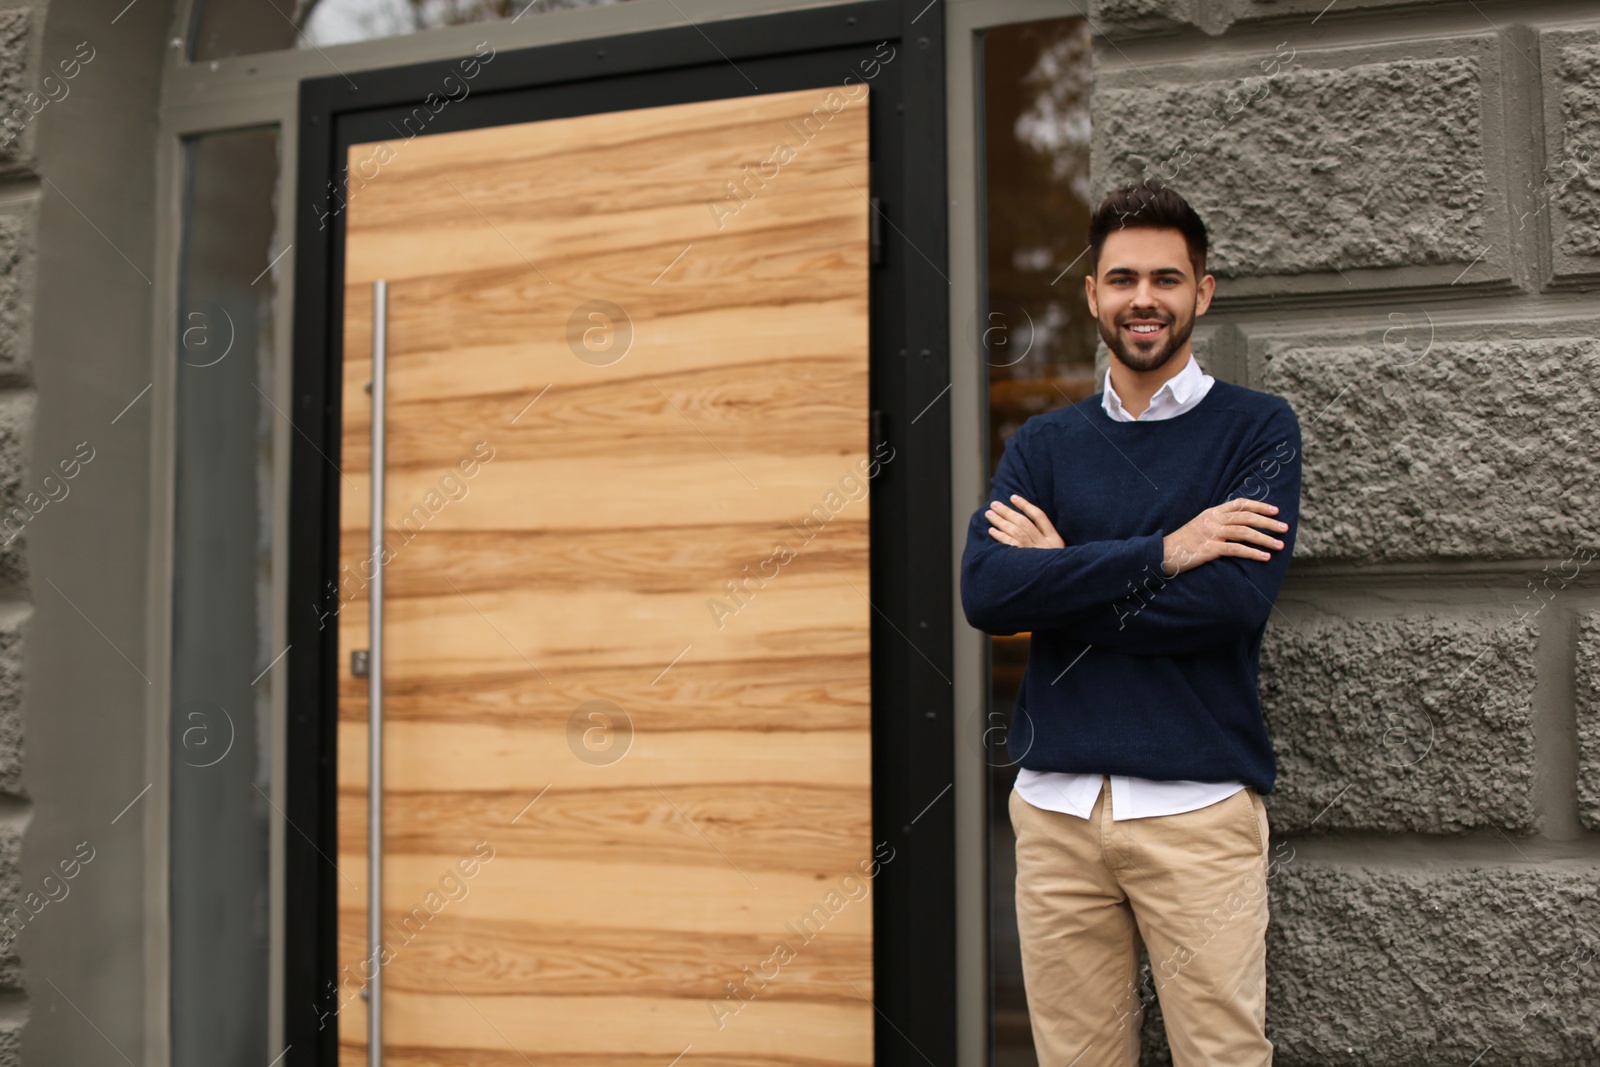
(1141, 537)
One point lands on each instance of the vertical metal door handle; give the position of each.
(380, 317)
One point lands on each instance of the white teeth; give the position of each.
(1144, 329)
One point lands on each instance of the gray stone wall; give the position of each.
(20, 498)
(1404, 200)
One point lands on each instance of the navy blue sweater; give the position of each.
(1129, 671)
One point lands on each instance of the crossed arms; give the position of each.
(1209, 582)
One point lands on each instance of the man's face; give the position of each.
(1145, 295)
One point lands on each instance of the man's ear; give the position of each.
(1202, 298)
(1088, 290)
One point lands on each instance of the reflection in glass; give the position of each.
(1039, 345)
(225, 28)
(221, 713)
(236, 27)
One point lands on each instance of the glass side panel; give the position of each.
(1039, 344)
(221, 715)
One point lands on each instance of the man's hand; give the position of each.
(1230, 529)
(1027, 528)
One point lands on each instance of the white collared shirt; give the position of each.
(1177, 394)
(1132, 798)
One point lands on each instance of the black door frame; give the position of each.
(913, 767)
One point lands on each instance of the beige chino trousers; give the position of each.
(1191, 887)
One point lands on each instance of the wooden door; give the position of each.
(627, 795)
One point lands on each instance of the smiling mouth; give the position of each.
(1145, 331)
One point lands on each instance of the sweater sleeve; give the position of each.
(1006, 589)
(1223, 599)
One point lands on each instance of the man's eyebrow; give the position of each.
(1159, 272)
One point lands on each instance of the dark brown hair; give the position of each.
(1150, 205)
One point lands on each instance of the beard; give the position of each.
(1147, 355)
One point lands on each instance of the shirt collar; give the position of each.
(1180, 387)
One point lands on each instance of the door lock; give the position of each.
(360, 662)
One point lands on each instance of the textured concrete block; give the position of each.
(1335, 10)
(1119, 18)
(16, 431)
(1368, 966)
(12, 905)
(12, 623)
(1419, 723)
(1374, 165)
(1587, 698)
(1571, 186)
(14, 292)
(15, 44)
(1443, 448)
(1114, 17)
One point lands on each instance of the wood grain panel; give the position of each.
(354, 1055)
(466, 561)
(603, 893)
(576, 630)
(688, 477)
(709, 695)
(755, 824)
(740, 405)
(676, 346)
(445, 755)
(752, 271)
(585, 195)
(630, 961)
(682, 532)
(624, 1025)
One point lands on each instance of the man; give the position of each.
(1141, 537)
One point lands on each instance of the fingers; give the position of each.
(1238, 518)
(1244, 503)
(1028, 519)
(1009, 528)
(1242, 541)
(1255, 537)
(1003, 537)
(1027, 530)
(996, 507)
(1029, 514)
(1265, 522)
(1234, 548)
(1255, 518)
(1003, 517)
(1034, 512)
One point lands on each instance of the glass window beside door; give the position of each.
(1039, 345)
(220, 742)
